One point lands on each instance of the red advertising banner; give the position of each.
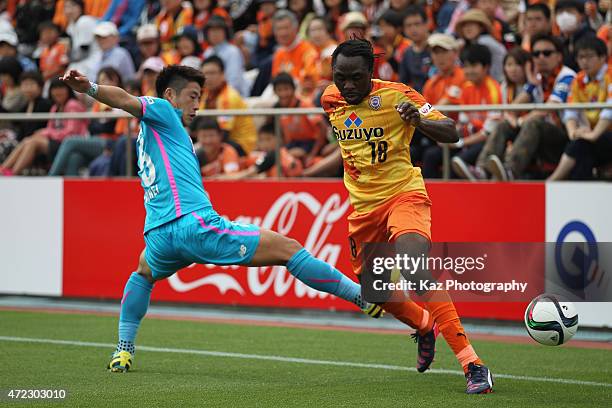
(103, 223)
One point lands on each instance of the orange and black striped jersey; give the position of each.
(375, 142)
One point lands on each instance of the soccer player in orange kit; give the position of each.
(374, 121)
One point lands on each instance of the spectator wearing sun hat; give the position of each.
(113, 55)
(8, 48)
(474, 27)
(149, 45)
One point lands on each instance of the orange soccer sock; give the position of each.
(410, 313)
(449, 324)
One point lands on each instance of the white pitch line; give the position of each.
(295, 360)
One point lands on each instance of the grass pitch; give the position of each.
(188, 363)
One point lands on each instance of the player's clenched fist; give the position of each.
(76, 81)
(409, 113)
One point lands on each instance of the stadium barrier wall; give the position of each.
(81, 238)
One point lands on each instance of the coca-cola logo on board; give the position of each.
(288, 211)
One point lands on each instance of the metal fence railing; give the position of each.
(278, 112)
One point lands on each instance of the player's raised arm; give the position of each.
(109, 95)
(440, 130)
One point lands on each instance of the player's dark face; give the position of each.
(352, 77)
(188, 100)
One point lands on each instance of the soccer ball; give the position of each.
(549, 321)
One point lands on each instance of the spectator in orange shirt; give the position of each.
(218, 94)
(215, 156)
(319, 34)
(294, 55)
(303, 135)
(480, 89)
(444, 88)
(174, 15)
(54, 57)
(393, 44)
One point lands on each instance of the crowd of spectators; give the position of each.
(268, 53)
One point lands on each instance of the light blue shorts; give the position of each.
(202, 237)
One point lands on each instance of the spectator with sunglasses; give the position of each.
(538, 134)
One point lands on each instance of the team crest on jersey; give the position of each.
(375, 102)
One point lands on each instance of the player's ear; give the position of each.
(170, 95)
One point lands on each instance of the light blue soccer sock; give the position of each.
(324, 277)
(134, 305)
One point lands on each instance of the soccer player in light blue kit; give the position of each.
(181, 225)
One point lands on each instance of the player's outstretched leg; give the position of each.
(276, 249)
(441, 307)
(134, 305)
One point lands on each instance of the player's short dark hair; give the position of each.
(591, 42)
(391, 17)
(267, 128)
(177, 77)
(415, 10)
(476, 54)
(33, 76)
(283, 79)
(214, 59)
(205, 123)
(569, 5)
(543, 8)
(355, 48)
(547, 37)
